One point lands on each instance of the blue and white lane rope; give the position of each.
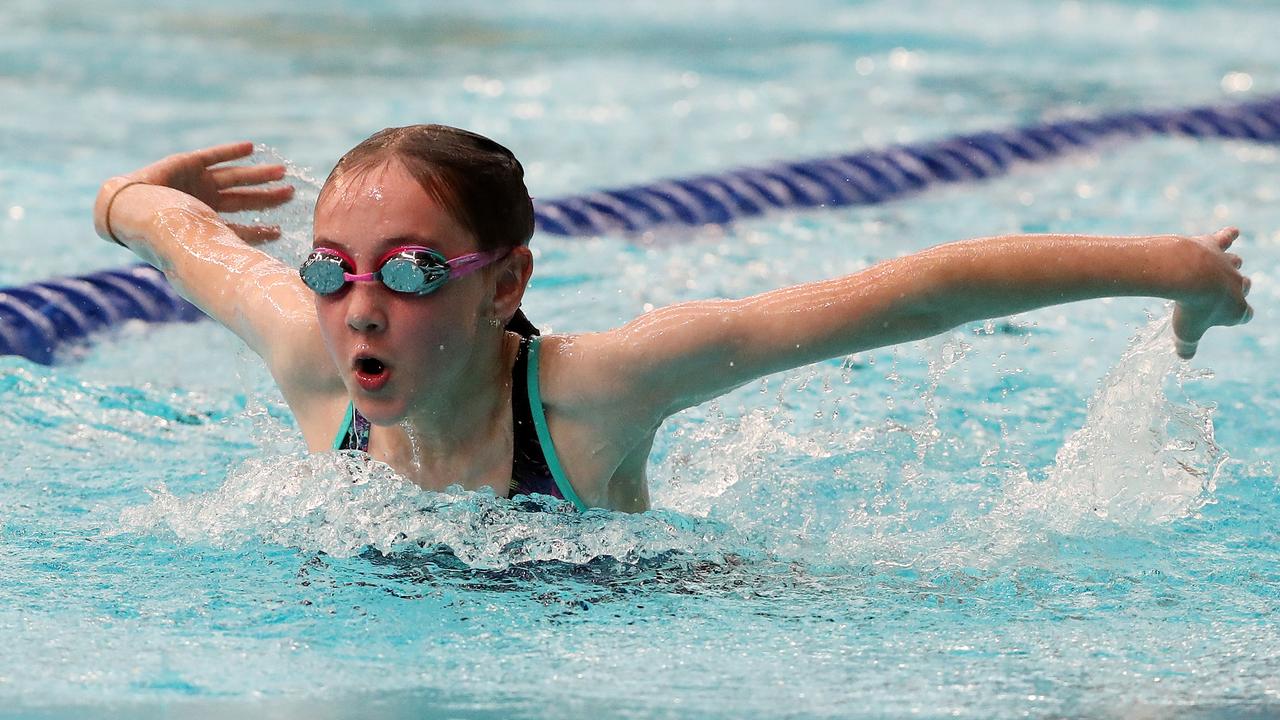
(876, 176)
(39, 320)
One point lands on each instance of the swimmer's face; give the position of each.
(392, 348)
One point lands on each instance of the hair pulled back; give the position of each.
(477, 181)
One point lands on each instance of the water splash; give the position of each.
(1140, 457)
(727, 458)
(294, 217)
(341, 504)
(1144, 455)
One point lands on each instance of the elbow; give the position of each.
(932, 310)
(947, 295)
(917, 326)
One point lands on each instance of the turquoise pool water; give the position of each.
(1040, 517)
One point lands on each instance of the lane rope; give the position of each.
(876, 176)
(41, 320)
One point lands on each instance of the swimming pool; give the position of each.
(1038, 517)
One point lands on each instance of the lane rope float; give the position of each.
(40, 320)
(876, 176)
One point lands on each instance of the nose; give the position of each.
(365, 312)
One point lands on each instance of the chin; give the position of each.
(381, 411)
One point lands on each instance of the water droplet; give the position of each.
(1237, 82)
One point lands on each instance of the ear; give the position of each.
(511, 278)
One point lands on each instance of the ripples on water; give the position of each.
(948, 528)
(922, 541)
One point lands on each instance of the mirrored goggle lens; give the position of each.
(402, 275)
(323, 273)
(415, 272)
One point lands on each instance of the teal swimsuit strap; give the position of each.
(344, 429)
(544, 434)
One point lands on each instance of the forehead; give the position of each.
(371, 208)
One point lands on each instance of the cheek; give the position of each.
(430, 327)
(330, 317)
(448, 321)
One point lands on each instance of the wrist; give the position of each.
(103, 206)
(1191, 267)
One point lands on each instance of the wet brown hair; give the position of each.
(477, 181)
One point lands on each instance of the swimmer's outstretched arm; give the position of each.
(681, 355)
(167, 214)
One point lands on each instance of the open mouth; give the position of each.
(370, 366)
(371, 373)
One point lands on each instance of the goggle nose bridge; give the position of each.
(409, 269)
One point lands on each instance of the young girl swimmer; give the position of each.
(401, 334)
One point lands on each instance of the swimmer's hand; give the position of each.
(1215, 294)
(224, 189)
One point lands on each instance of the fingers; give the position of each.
(253, 198)
(1187, 331)
(1186, 349)
(1247, 316)
(239, 175)
(255, 234)
(223, 153)
(1245, 285)
(1226, 236)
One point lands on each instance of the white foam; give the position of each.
(1139, 458)
(341, 504)
(1144, 455)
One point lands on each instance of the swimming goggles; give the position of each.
(410, 269)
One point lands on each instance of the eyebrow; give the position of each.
(380, 245)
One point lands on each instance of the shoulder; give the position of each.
(655, 365)
(584, 373)
(596, 429)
